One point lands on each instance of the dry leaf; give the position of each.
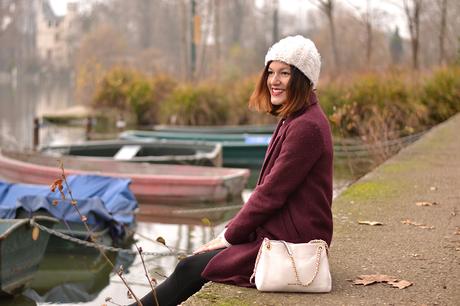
(381, 278)
(401, 284)
(426, 203)
(181, 256)
(206, 221)
(373, 223)
(161, 240)
(410, 222)
(373, 278)
(419, 225)
(35, 233)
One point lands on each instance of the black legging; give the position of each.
(182, 283)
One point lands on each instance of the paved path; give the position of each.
(428, 170)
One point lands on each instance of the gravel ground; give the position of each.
(426, 254)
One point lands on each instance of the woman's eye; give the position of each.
(285, 73)
(270, 72)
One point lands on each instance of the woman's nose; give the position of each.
(275, 79)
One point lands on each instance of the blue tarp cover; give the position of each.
(99, 198)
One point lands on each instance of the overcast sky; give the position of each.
(298, 8)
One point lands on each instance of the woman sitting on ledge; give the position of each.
(292, 199)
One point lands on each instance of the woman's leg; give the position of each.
(182, 283)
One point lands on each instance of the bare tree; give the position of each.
(442, 30)
(367, 18)
(412, 9)
(328, 8)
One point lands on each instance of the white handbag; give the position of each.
(292, 267)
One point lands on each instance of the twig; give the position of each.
(147, 275)
(83, 218)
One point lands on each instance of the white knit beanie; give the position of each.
(300, 52)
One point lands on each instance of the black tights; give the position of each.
(182, 283)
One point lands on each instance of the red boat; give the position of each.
(151, 183)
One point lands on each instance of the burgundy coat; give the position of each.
(292, 199)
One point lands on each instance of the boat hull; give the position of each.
(20, 254)
(151, 184)
(155, 152)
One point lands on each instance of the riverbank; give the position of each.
(420, 244)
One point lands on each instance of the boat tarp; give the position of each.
(99, 198)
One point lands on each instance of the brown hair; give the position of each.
(298, 92)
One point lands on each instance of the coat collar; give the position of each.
(312, 101)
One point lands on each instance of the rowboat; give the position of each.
(239, 150)
(158, 152)
(151, 183)
(218, 129)
(72, 277)
(21, 251)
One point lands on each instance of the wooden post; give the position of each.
(36, 133)
(89, 126)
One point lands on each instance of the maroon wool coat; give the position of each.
(292, 199)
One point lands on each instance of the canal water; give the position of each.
(85, 277)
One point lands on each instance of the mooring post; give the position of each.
(36, 140)
(89, 127)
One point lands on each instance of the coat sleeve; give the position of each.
(301, 148)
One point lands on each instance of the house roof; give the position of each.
(48, 12)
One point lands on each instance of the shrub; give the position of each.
(385, 105)
(441, 94)
(201, 104)
(127, 91)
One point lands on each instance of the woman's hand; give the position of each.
(217, 243)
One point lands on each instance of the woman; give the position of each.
(292, 199)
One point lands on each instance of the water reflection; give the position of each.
(20, 105)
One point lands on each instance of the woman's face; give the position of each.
(279, 74)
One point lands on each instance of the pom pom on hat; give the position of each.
(300, 52)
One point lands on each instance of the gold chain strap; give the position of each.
(318, 259)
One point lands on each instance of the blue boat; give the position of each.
(107, 203)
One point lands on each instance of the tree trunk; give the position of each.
(442, 31)
(413, 20)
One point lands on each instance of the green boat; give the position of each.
(220, 129)
(21, 250)
(154, 152)
(239, 150)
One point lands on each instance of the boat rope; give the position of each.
(100, 246)
(204, 210)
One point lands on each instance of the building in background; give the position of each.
(56, 36)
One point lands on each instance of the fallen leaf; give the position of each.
(426, 203)
(410, 222)
(401, 284)
(373, 223)
(206, 221)
(381, 278)
(373, 278)
(35, 233)
(161, 240)
(426, 226)
(419, 225)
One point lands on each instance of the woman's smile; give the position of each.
(279, 74)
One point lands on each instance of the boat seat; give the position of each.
(127, 152)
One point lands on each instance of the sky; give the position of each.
(296, 7)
